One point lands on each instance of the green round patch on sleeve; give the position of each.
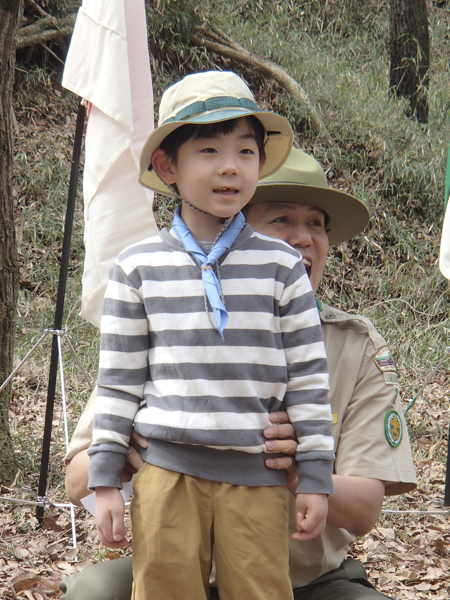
(393, 428)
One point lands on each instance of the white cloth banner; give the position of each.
(444, 255)
(108, 65)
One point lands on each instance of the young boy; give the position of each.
(206, 329)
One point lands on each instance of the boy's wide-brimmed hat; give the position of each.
(210, 97)
(302, 180)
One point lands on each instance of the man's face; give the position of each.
(301, 226)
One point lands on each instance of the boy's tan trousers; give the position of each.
(176, 519)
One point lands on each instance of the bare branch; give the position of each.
(44, 30)
(42, 12)
(52, 53)
(213, 39)
(227, 47)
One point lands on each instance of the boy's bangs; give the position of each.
(195, 131)
(209, 130)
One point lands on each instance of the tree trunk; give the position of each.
(10, 16)
(410, 54)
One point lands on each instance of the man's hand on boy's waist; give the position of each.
(133, 461)
(281, 439)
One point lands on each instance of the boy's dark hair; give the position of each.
(173, 142)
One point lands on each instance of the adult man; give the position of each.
(373, 457)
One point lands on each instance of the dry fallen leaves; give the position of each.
(406, 556)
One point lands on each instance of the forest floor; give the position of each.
(406, 555)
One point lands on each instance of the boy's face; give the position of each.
(218, 174)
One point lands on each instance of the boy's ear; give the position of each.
(163, 166)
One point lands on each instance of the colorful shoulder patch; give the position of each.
(393, 428)
(384, 361)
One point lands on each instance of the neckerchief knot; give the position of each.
(206, 263)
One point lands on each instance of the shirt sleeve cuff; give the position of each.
(315, 477)
(105, 470)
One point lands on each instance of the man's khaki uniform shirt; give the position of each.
(363, 391)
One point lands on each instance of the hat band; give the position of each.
(293, 183)
(210, 104)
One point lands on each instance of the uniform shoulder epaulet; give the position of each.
(361, 325)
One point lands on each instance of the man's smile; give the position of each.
(308, 265)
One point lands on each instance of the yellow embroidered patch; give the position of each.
(335, 419)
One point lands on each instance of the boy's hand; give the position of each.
(109, 517)
(311, 515)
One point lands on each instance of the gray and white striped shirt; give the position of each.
(204, 403)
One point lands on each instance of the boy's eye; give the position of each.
(208, 150)
(247, 151)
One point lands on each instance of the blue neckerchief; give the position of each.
(206, 263)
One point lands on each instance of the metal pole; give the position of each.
(59, 311)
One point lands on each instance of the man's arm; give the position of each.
(77, 477)
(357, 501)
(356, 504)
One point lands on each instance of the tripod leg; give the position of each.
(447, 474)
(83, 370)
(26, 357)
(42, 488)
(66, 431)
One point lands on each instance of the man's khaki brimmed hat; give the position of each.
(210, 97)
(302, 180)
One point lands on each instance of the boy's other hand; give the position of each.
(109, 517)
(311, 515)
(281, 439)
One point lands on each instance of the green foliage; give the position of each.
(170, 25)
(55, 8)
(313, 17)
(60, 7)
(45, 118)
(35, 81)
